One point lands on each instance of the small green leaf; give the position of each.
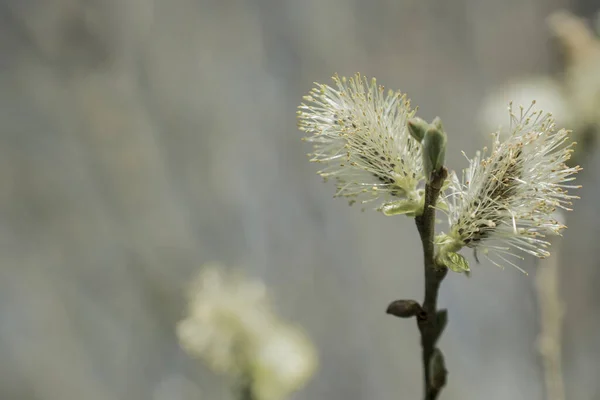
(437, 122)
(456, 262)
(442, 205)
(434, 151)
(400, 207)
(441, 239)
(446, 184)
(417, 128)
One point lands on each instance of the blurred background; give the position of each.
(143, 138)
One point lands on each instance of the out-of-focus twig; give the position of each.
(577, 40)
(551, 311)
(581, 83)
(581, 78)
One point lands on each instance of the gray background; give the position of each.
(143, 138)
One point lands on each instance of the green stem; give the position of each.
(432, 324)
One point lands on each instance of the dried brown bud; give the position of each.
(406, 309)
(437, 370)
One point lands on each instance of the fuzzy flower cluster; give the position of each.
(506, 201)
(231, 326)
(359, 132)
